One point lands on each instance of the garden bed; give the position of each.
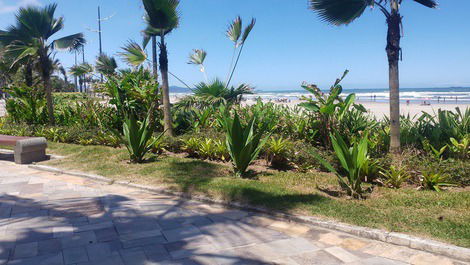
(442, 216)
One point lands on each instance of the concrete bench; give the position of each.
(27, 149)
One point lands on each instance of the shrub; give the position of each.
(277, 152)
(434, 181)
(352, 160)
(395, 176)
(26, 105)
(137, 138)
(244, 143)
(460, 149)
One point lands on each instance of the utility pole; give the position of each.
(99, 34)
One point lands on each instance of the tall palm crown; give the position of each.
(339, 12)
(162, 16)
(30, 38)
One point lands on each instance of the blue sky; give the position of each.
(289, 43)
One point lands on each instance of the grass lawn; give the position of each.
(442, 216)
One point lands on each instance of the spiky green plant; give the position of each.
(244, 143)
(215, 93)
(434, 181)
(137, 138)
(395, 176)
(352, 159)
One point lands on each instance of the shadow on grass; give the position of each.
(196, 177)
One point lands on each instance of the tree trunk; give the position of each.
(165, 88)
(49, 100)
(28, 74)
(393, 53)
(154, 57)
(154, 106)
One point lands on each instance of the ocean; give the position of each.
(432, 95)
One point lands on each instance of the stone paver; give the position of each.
(53, 219)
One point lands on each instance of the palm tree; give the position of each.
(162, 18)
(238, 37)
(339, 12)
(30, 38)
(81, 71)
(106, 65)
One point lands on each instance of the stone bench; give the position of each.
(27, 149)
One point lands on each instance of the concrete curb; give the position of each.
(399, 239)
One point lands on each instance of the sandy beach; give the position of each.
(381, 109)
(378, 109)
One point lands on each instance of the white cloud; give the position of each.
(8, 6)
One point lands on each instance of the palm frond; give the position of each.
(81, 69)
(133, 54)
(69, 43)
(234, 30)
(248, 30)
(197, 57)
(339, 12)
(162, 15)
(106, 65)
(427, 3)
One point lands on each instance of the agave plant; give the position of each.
(244, 143)
(352, 159)
(137, 138)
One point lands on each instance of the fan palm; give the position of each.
(162, 17)
(340, 12)
(133, 54)
(30, 38)
(197, 58)
(81, 71)
(106, 65)
(238, 37)
(215, 92)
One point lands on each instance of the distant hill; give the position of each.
(177, 89)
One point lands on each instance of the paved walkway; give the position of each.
(48, 219)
